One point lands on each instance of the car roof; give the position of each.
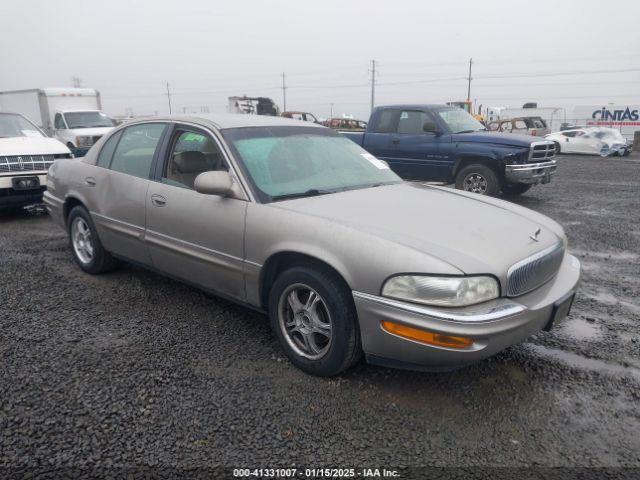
(230, 120)
(410, 106)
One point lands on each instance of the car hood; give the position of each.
(31, 146)
(474, 234)
(497, 138)
(91, 132)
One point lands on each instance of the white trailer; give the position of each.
(72, 115)
(622, 117)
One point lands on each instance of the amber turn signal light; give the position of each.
(423, 336)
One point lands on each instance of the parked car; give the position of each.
(347, 124)
(298, 221)
(71, 115)
(446, 144)
(25, 156)
(534, 126)
(304, 116)
(592, 140)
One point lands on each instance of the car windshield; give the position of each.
(14, 125)
(459, 121)
(87, 120)
(285, 162)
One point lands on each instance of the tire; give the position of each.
(86, 247)
(516, 189)
(558, 148)
(326, 351)
(478, 178)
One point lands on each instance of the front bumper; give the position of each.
(493, 325)
(530, 173)
(11, 197)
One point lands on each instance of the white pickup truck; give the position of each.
(26, 154)
(72, 115)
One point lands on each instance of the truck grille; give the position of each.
(530, 273)
(25, 163)
(542, 152)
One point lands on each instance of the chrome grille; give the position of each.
(533, 271)
(542, 151)
(25, 163)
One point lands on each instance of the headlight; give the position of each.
(442, 291)
(84, 141)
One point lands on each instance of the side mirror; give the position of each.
(430, 127)
(214, 183)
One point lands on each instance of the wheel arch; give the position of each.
(469, 159)
(69, 203)
(281, 261)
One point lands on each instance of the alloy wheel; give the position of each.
(81, 240)
(476, 183)
(305, 321)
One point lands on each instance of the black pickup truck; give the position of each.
(445, 144)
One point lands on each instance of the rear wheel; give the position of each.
(478, 178)
(87, 249)
(313, 315)
(516, 189)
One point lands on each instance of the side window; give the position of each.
(384, 122)
(411, 122)
(505, 127)
(192, 153)
(569, 134)
(520, 125)
(58, 123)
(134, 153)
(104, 158)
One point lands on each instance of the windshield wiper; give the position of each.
(312, 192)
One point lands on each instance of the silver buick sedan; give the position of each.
(292, 219)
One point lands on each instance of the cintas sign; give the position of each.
(620, 114)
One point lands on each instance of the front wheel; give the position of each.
(313, 315)
(516, 189)
(478, 178)
(558, 148)
(87, 249)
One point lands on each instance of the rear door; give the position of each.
(120, 188)
(195, 237)
(419, 155)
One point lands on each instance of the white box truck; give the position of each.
(623, 117)
(72, 115)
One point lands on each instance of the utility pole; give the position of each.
(169, 98)
(469, 79)
(373, 83)
(284, 94)
(331, 114)
(76, 82)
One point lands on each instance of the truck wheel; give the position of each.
(87, 249)
(516, 189)
(478, 178)
(313, 315)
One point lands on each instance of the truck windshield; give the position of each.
(285, 162)
(14, 125)
(459, 121)
(87, 120)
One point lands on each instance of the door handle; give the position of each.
(395, 141)
(158, 200)
(90, 181)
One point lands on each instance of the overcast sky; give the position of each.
(552, 52)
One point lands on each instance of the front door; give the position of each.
(195, 237)
(420, 155)
(120, 186)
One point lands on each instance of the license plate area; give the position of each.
(25, 183)
(560, 311)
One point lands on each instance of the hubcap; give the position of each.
(305, 321)
(476, 183)
(81, 240)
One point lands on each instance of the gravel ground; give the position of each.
(131, 369)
